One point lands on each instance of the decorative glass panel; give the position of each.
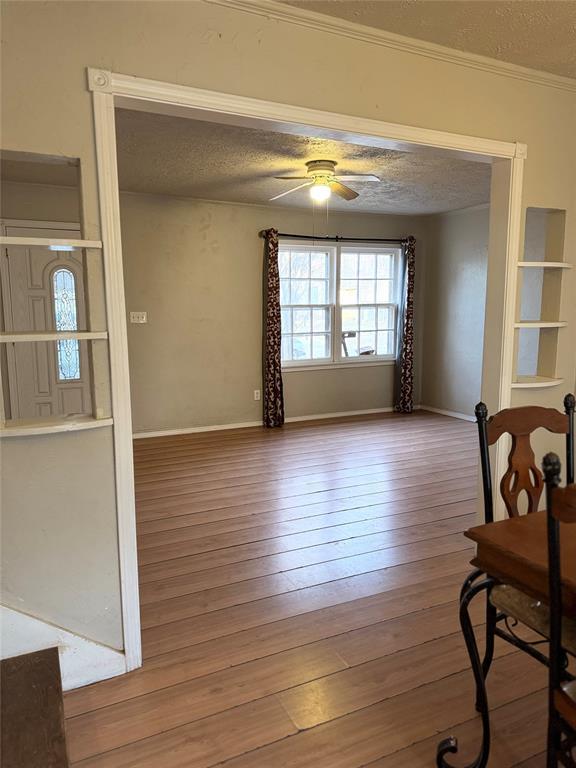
(65, 319)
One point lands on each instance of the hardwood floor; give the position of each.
(298, 595)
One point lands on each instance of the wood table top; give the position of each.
(515, 551)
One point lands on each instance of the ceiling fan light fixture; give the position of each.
(320, 191)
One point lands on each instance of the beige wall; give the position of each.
(47, 109)
(59, 544)
(455, 298)
(39, 202)
(196, 269)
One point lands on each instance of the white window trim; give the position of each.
(337, 360)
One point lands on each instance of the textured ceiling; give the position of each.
(177, 156)
(165, 155)
(540, 34)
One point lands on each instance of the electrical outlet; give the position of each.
(256, 394)
(138, 317)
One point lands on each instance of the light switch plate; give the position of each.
(138, 317)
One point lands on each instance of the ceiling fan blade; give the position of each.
(358, 177)
(294, 178)
(289, 192)
(340, 189)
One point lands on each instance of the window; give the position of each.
(339, 303)
(65, 319)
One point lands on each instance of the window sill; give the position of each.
(336, 366)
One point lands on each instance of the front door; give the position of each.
(43, 290)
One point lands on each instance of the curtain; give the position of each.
(273, 400)
(405, 348)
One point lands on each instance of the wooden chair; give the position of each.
(506, 605)
(561, 508)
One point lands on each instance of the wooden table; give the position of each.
(515, 552)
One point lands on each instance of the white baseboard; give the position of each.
(82, 661)
(316, 416)
(242, 425)
(442, 412)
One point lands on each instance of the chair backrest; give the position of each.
(522, 475)
(561, 508)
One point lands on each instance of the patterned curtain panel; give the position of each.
(404, 394)
(273, 399)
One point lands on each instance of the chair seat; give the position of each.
(565, 702)
(531, 612)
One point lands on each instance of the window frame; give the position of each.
(335, 250)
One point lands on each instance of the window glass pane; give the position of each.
(286, 348)
(299, 292)
(321, 347)
(284, 291)
(366, 290)
(284, 263)
(368, 318)
(318, 292)
(319, 265)
(385, 264)
(301, 320)
(350, 319)
(301, 347)
(384, 292)
(367, 343)
(349, 344)
(286, 321)
(367, 266)
(300, 265)
(349, 292)
(320, 320)
(385, 317)
(348, 265)
(385, 343)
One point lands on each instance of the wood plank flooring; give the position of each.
(298, 595)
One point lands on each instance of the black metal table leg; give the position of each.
(471, 588)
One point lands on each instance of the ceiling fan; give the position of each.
(322, 179)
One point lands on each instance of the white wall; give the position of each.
(196, 268)
(455, 298)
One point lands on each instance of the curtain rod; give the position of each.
(339, 239)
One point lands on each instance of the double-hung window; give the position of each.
(339, 303)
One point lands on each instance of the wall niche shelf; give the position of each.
(540, 324)
(544, 265)
(535, 382)
(537, 328)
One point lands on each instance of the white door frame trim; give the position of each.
(110, 89)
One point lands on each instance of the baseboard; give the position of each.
(442, 412)
(338, 414)
(193, 430)
(243, 425)
(82, 661)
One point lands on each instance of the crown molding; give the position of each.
(336, 26)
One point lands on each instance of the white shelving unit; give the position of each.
(546, 238)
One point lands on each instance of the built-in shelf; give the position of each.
(28, 427)
(544, 265)
(540, 324)
(18, 338)
(51, 242)
(535, 382)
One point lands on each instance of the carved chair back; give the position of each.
(522, 474)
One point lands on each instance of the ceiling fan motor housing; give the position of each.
(321, 167)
